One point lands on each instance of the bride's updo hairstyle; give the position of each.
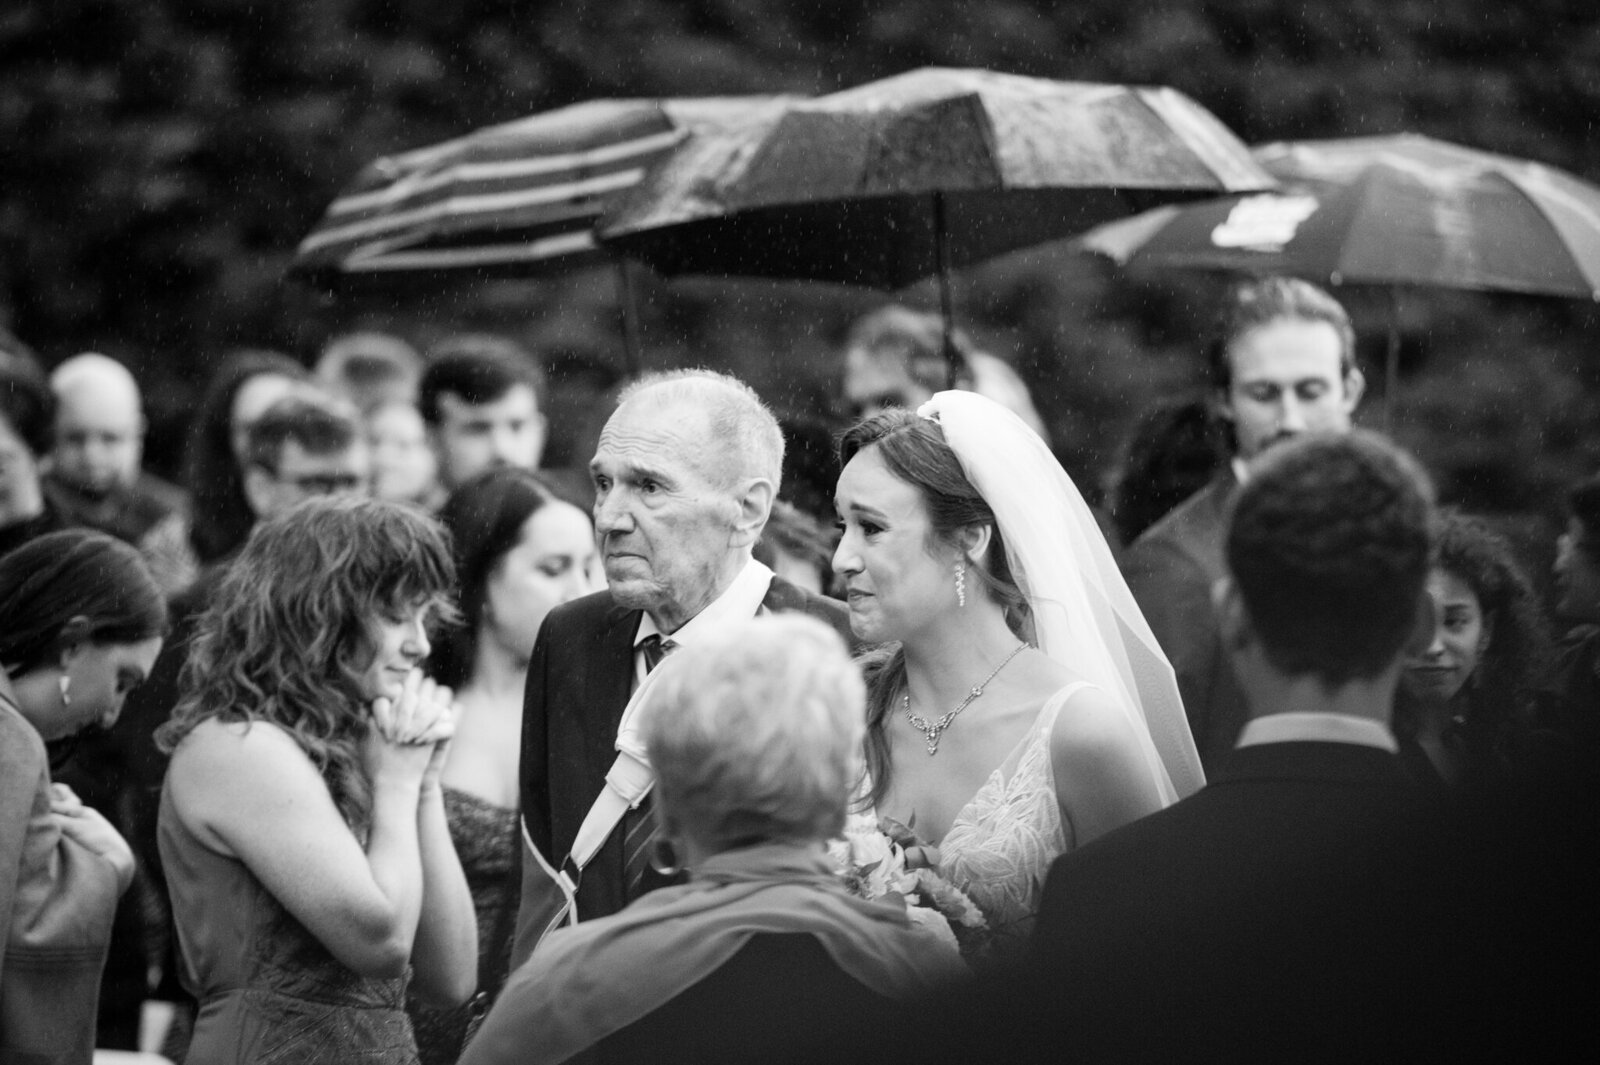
(913, 448)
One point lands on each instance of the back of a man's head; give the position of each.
(477, 368)
(1329, 548)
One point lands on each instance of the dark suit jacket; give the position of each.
(1308, 903)
(579, 681)
(1171, 569)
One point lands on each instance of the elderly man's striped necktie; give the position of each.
(639, 825)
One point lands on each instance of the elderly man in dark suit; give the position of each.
(1282, 364)
(685, 476)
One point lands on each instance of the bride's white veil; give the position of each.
(1084, 616)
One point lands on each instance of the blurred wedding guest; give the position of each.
(96, 472)
(755, 737)
(1273, 913)
(368, 369)
(795, 546)
(1281, 363)
(300, 447)
(895, 357)
(302, 821)
(81, 622)
(480, 395)
(519, 551)
(404, 467)
(1575, 683)
(240, 392)
(27, 420)
(1466, 704)
(1174, 449)
(14, 353)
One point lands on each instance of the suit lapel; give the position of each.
(610, 683)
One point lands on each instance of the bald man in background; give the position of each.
(95, 471)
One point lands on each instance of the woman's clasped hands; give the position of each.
(411, 733)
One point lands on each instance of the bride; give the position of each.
(1020, 706)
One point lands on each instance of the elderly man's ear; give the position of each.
(755, 507)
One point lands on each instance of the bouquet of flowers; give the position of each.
(881, 859)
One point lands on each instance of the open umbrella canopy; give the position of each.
(895, 180)
(1386, 211)
(513, 199)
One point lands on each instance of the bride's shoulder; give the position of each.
(1090, 725)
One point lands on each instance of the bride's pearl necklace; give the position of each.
(932, 730)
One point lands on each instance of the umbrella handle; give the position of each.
(629, 311)
(1391, 363)
(941, 243)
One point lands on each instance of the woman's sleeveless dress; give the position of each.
(485, 836)
(1000, 845)
(270, 993)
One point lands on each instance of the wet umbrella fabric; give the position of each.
(1403, 210)
(896, 180)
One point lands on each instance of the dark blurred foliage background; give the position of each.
(162, 158)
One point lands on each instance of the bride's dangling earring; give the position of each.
(961, 584)
(65, 683)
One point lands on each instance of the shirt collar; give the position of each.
(1306, 726)
(1241, 469)
(737, 603)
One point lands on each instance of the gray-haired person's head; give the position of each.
(744, 433)
(755, 735)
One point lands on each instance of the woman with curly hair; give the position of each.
(1464, 707)
(302, 821)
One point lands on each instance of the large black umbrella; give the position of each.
(899, 179)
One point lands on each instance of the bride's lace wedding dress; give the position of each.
(1000, 845)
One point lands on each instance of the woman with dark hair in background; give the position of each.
(519, 551)
(81, 622)
(302, 821)
(241, 390)
(1465, 706)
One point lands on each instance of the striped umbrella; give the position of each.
(508, 200)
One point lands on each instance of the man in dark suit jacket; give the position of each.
(685, 476)
(1309, 903)
(1282, 364)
